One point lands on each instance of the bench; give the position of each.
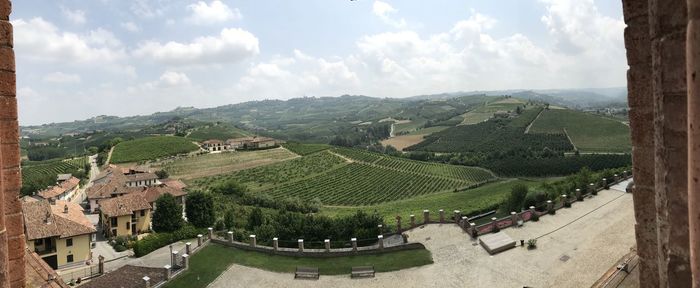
(362, 272)
(306, 273)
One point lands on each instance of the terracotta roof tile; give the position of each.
(124, 205)
(141, 177)
(152, 193)
(43, 220)
(39, 274)
(127, 276)
(59, 189)
(175, 183)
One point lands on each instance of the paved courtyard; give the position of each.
(575, 247)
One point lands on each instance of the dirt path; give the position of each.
(109, 156)
(527, 130)
(341, 156)
(572, 142)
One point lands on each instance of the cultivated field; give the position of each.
(38, 175)
(151, 148)
(221, 163)
(485, 112)
(305, 149)
(221, 132)
(403, 141)
(588, 132)
(263, 177)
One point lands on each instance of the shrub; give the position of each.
(200, 209)
(168, 214)
(219, 226)
(552, 211)
(535, 217)
(531, 244)
(157, 240)
(119, 248)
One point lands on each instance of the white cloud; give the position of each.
(147, 8)
(384, 11)
(172, 78)
(39, 40)
(231, 45)
(62, 78)
(215, 12)
(131, 26)
(75, 16)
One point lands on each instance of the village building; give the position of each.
(127, 215)
(214, 145)
(64, 190)
(58, 232)
(141, 179)
(254, 142)
(153, 193)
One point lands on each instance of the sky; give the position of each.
(77, 59)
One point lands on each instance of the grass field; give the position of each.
(214, 131)
(469, 202)
(305, 149)
(151, 148)
(403, 141)
(214, 259)
(588, 132)
(485, 112)
(222, 163)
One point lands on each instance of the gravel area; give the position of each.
(575, 247)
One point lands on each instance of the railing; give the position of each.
(45, 251)
(78, 275)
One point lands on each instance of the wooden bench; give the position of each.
(362, 272)
(306, 273)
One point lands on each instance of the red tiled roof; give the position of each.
(175, 183)
(124, 205)
(152, 193)
(43, 220)
(60, 188)
(127, 276)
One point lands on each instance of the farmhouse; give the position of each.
(214, 145)
(254, 142)
(64, 190)
(57, 231)
(126, 215)
(117, 181)
(141, 179)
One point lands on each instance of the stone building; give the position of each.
(662, 39)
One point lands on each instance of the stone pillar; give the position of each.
(550, 205)
(199, 240)
(354, 244)
(327, 243)
(591, 188)
(413, 221)
(147, 281)
(253, 242)
(514, 218)
(168, 272)
(380, 227)
(532, 209)
(188, 249)
(173, 259)
(211, 233)
(463, 222)
(472, 229)
(398, 224)
(494, 223)
(442, 216)
(578, 194)
(616, 178)
(12, 239)
(693, 65)
(426, 216)
(457, 216)
(564, 200)
(603, 182)
(380, 241)
(301, 245)
(275, 244)
(101, 264)
(641, 115)
(230, 236)
(185, 261)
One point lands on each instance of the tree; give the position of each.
(230, 187)
(168, 214)
(200, 209)
(230, 219)
(255, 219)
(162, 174)
(516, 199)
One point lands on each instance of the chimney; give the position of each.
(52, 201)
(47, 220)
(65, 208)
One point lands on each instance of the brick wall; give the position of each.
(12, 241)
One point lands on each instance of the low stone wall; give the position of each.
(319, 253)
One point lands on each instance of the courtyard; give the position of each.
(575, 247)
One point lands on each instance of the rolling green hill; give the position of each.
(588, 132)
(151, 148)
(217, 131)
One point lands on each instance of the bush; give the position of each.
(168, 214)
(200, 209)
(552, 211)
(531, 244)
(119, 248)
(157, 240)
(220, 226)
(535, 217)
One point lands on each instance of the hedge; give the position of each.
(154, 241)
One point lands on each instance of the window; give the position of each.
(114, 232)
(38, 242)
(127, 225)
(69, 258)
(143, 213)
(69, 242)
(114, 221)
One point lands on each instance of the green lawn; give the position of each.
(588, 132)
(214, 259)
(468, 201)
